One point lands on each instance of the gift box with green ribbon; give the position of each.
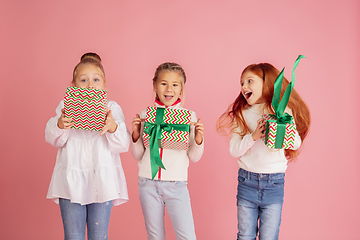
(86, 107)
(279, 135)
(280, 128)
(165, 128)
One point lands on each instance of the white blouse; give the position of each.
(88, 166)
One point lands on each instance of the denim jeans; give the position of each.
(154, 196)
(259, 203)
(75, 217)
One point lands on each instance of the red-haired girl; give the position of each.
(262, 169)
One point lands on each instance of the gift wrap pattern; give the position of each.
(271, 130)
(87, 107)
(178, 140)
(280, 128)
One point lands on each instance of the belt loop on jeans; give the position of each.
(247, 175)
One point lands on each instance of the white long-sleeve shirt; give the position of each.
(88, 166)
(255, 156)
(176, 162)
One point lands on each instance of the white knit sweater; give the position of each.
(255, 156)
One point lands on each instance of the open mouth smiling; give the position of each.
(247, 95)
(168, 97)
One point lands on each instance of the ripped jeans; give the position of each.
(76, 217)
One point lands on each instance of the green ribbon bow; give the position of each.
(279, 106)
(154, 130)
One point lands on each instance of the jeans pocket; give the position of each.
(241, 179)
(278, 182)
(143, 181)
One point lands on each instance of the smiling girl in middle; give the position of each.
(168, 187)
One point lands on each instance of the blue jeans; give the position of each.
(75, 217)
(154, 196)
(259, 202)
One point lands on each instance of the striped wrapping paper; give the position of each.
(178, 140)
(271, 130)
(87, 107)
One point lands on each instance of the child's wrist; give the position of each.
(254, 137)
(60, 126)
(135, 136)
(199, 142)
(114, 129)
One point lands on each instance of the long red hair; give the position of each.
(233, 117)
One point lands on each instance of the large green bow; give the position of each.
(154, 130)
(279, 106)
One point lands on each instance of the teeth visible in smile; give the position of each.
(247, 94)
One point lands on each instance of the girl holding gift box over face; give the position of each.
(262, 169)
(164, 138)
(88, 178)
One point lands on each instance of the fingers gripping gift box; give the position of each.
(165, 128)
(280, 128)
(86, 107)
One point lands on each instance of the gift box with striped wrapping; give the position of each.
(271, 134)
(86, 107)
(280, 128)
(178, 140)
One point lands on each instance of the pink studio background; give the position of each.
(41, 42)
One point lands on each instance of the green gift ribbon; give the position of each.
(279, 106)
(154, 130)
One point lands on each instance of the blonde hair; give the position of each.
(172, 67)
(89, 58)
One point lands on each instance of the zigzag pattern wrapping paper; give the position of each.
(271, 129)
(178, 140)
(87, 107)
